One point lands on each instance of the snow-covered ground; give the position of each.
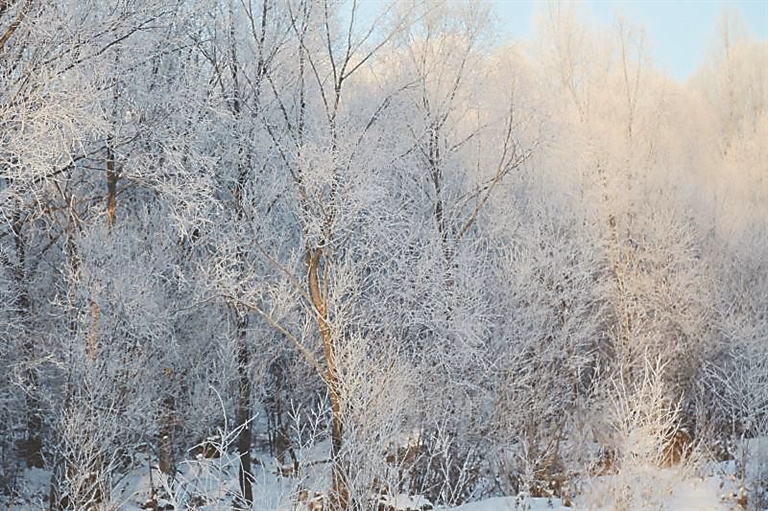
(211, 484)
(692, 494)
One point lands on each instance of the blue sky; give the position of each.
(679, 31)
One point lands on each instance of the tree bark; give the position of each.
(339, 498)
(112, 178)
(166, 461)
(33, 444)
(245, 476)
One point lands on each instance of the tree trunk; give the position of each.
(112, 178)
(339, 498)
(92, 346)
(166, 462)
(245, 476)
(32, 446)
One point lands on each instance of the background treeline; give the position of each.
(531, 262)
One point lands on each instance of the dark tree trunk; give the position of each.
(166, 462)
(112, 178)
(245, 475)
(32, 447)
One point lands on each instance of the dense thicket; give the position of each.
(472, 268)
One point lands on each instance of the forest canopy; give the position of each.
(456, 267)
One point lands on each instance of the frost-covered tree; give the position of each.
(460, 266)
